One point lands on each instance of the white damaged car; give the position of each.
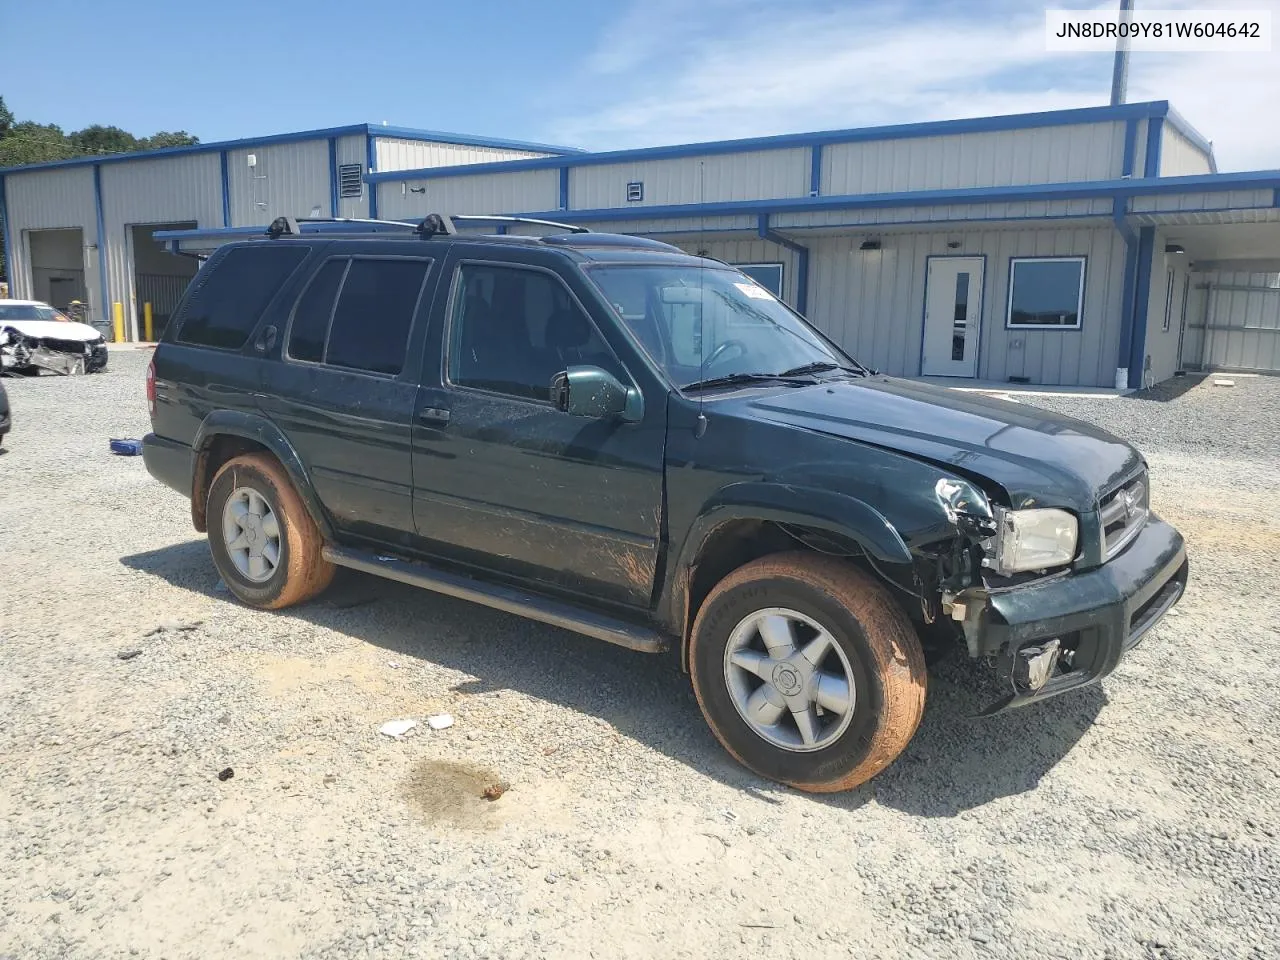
(34, 337)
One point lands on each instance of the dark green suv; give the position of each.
(603, 433)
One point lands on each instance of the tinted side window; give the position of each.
(310, 323)
(225, 306)
(512, 330)
(370, 328)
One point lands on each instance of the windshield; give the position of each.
(27, 311)
(703, 323)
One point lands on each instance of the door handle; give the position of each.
(433, 415)
(266, 339)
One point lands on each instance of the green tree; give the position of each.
(30, 142)
(98, 140)
(168, 138)
(6, 119)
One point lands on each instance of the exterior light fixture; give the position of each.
(870, 245)
(1174, 248)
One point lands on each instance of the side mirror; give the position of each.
(585, 391)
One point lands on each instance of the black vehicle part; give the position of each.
(599, 625)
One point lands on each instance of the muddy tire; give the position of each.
(807, 671)
(263, 540)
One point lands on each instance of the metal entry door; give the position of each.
(952, 317)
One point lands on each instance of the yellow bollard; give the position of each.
(146, 322)
(117, 310)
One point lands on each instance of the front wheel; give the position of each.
(263, 540)
(807, 671)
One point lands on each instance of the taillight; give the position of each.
(151, 387)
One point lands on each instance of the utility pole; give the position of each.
(1120, 72)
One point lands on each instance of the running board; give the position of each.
(509, 600)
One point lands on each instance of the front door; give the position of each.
(952, 315)
(504, 480)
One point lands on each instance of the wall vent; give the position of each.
(349, 180)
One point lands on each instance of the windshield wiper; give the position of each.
(819, 366)
(731, 379)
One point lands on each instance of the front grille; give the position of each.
(1123, 512)
(64, 346)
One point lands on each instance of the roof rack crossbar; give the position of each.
(386, 223)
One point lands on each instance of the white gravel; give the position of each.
(1138, 819)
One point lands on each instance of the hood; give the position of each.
(54, 329)
(1039, 458)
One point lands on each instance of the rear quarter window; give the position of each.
(228, 300)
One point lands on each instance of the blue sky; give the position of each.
(593, 73)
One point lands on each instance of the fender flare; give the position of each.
(780, 503)
(249, 426)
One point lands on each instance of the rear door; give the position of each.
(342, 389)
(505, 481)
(208, 360)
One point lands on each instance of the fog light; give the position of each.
(1033, 666)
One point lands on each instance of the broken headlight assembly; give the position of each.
(1027, 540)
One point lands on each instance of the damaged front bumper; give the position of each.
(61, 356)
(1068, 631)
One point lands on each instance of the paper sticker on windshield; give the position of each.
(753, 291)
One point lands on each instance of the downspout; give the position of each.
(226, 190)
(102, 243)
(333, 177)
(1119, 207)
(8, 240)
(371, 163)
(802, 261)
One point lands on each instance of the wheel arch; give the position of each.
(746, 521)
(225, 434)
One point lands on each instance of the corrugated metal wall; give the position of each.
(1204, 200)
(168, 190)
(1242, 331)
(753, 175)
(872, 302)
(289, 179)
(354, 150)
(1179, 157)
(45, 200)
(527, 190)
(1002, 158)
(395, 153)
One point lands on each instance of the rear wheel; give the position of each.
(807, 671)
(263, 540)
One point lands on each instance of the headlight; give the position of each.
(1032, 540)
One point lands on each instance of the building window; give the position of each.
(635, 191)
(1168, 303)
(768, 275)
(349, 180)
(1046, 293)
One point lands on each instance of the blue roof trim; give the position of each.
(933, 128)
(359, 129)
(1081, 190)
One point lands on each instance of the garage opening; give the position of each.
(159, 277)
(57, 267)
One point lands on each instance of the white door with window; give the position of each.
(952, 310)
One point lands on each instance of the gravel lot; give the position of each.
(1138, 819)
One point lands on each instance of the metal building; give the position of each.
(81, 230)
(1095, 247)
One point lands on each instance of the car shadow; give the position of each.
(955, 762)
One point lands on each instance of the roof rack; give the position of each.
(432, 225)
